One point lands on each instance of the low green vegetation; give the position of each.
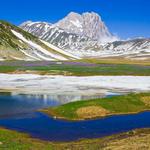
(124, 104)
(72, 68)
(6, 69)
(136, 139)
(11, 140)
(97, 70)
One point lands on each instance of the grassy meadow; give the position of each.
(74, 68)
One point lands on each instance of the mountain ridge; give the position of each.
(17, 44)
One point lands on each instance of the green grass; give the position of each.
(79, 70)
(6, 69)
(124, 104)
(97, 70)
(11, 140)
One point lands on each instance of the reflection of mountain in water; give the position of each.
(12, 105)
(54, 100)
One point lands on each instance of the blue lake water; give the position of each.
(41, 126)
(20, 115)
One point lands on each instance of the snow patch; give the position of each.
(39, 48)
(60, 50)
(76, 23)
(38, 84)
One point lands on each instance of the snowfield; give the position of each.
(72, 85)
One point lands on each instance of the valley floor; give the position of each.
(88, 67)
(80, 78)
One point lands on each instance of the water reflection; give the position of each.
(12, 104)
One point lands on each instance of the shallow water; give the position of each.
(41, 126)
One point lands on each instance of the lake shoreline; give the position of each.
(23, 141)
(44, 111)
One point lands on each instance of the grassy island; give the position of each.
(89, 109)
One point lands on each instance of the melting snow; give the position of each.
(38, 84)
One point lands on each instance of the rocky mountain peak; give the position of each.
(87, 24)
(73, 15)
(92, 15)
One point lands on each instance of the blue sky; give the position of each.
(126, 18)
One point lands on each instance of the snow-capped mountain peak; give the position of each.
(87, 24)
(71, 23)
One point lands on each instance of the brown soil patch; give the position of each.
(146, 100)
(138, 142)
(91, 112)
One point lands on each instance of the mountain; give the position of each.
(17, 44)
(73, 37)
(87, 24)
(139, 48)
(74, 32)
(57, 36)
(136, 48)
(85, 35)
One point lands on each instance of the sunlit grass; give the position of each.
(124, 104)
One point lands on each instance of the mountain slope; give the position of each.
(132, 48)
(57, 36)
(136, 48)
(17, 44)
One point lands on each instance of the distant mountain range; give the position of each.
(73, 37)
